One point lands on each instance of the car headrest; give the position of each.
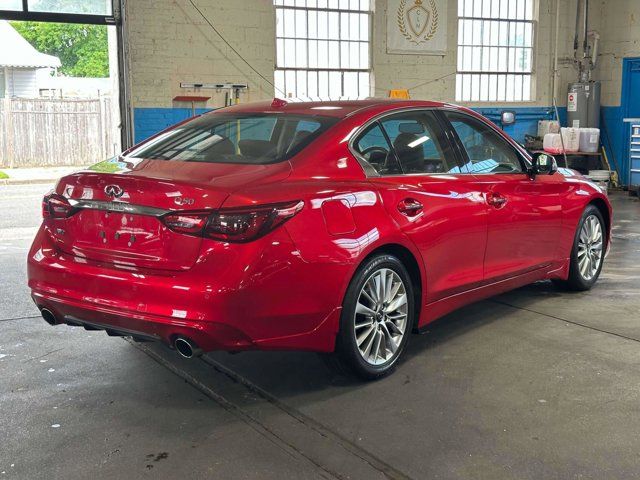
(224, 146)
(256, 148)
(411, 127)
(402, 142)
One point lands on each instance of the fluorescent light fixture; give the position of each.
(419, 141)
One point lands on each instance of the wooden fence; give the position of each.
(50, 132)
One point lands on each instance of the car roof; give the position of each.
(330, 108)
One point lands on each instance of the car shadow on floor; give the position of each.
(299, 373)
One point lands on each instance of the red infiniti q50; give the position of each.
(327, 226)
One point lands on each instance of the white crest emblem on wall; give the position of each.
(413, 21)
(416, 26)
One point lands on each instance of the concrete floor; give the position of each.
(532, 384)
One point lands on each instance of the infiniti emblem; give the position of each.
(114, 191)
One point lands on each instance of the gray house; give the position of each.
(19, 62)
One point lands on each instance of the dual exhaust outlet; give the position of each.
(48, 316)
(186, 347)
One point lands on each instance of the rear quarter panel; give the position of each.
(331, 254)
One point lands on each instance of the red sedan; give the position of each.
(329, 226)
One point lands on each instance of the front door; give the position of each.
(524, 213)
(423, 190)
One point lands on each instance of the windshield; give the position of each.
(242, 139)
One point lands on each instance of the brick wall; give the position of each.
(620, 32)
(395, 71)
(169, 43)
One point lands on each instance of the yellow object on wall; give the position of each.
(404, 94)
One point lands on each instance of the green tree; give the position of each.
(82, 49)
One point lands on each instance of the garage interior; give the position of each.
(535, 383)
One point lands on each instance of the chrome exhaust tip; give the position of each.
(48, 316)
(187, 348)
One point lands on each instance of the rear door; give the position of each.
(418, 176)
(524, 213)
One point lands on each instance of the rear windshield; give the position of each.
(243, 139)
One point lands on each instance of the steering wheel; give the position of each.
(372, 149)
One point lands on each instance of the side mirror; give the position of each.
(544, 164)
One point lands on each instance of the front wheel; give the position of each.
(377, 318)
(587, 255)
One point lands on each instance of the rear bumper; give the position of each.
(254, 297)
(207, 335)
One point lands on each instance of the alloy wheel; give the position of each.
(380, 318)
(590, 246)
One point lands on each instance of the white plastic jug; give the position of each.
(548, 126)
(589, 139)
(552, 143)
(571, 139)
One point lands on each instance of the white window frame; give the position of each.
(495, 38)
(327, 72)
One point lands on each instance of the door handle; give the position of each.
(410, 207)
(496, 200)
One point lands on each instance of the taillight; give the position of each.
(186, 222)
(233, 225)
(56, 206)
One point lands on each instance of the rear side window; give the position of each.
(373, 147)
(241, 139)
(419, 143)
(406, 143)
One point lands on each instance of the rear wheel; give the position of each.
(588, 250)
(377, 317)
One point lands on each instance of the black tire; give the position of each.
(347, 356)
(576, 280)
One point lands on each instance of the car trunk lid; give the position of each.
(118, 215)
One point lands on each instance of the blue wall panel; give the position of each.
(149, 121)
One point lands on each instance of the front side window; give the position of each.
(241, 139)
(487, 152)
(495, 50)
(322, 48)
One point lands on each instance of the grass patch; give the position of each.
(3, 176)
